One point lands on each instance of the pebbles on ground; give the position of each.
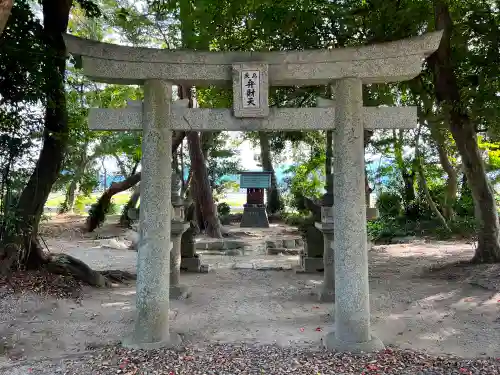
(230, 359)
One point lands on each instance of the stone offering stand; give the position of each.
(251, 74)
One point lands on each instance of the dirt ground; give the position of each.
(444, 311)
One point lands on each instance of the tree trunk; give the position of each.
(125, 219)
(5, 10)
(24, 248)
(202, 186)
(186, 184)
(98, 211)
(428, 197)
(197, 213)
(407, 177)
(184, 181)
(274, 203)
(450, 193)
(464, 134)
(438, 134)
(201, 191)
(423, 181)
(327, 200)
(134, 168)
(368, 189)
(206, 139)
(121, 165)
(367, 136)
(69, 200)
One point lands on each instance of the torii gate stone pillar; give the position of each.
(251, 74)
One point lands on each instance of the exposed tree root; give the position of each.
(118, 276)
(486, 254)
(62, 264)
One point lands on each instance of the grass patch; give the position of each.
(118, 199)
(122, 198)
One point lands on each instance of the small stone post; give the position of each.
(179, 226)
(352, 306)
(153, 259)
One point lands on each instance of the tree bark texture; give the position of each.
(69, 200)
(328, 196)
(367, 137)
(408, 177)
(450, 193)
(423, 182)
(121, 165)
(273, 197)
(464, 134)
(125, 220)
(438, 134)
(204, 194)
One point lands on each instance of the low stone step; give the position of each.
(284, 251)
(261, 267)
(288, 243)
(245, 250)
(221, 245)
(230, 252)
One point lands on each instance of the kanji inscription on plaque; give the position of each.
(250, 88)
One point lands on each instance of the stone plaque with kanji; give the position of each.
(250, 90)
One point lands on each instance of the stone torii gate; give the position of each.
(251, 74)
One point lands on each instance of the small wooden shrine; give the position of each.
(254, 210)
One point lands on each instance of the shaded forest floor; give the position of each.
(417, 302)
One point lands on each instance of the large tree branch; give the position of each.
(98, 212)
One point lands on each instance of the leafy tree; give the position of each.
(39, 78)
(452, 73)
(448, 94)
